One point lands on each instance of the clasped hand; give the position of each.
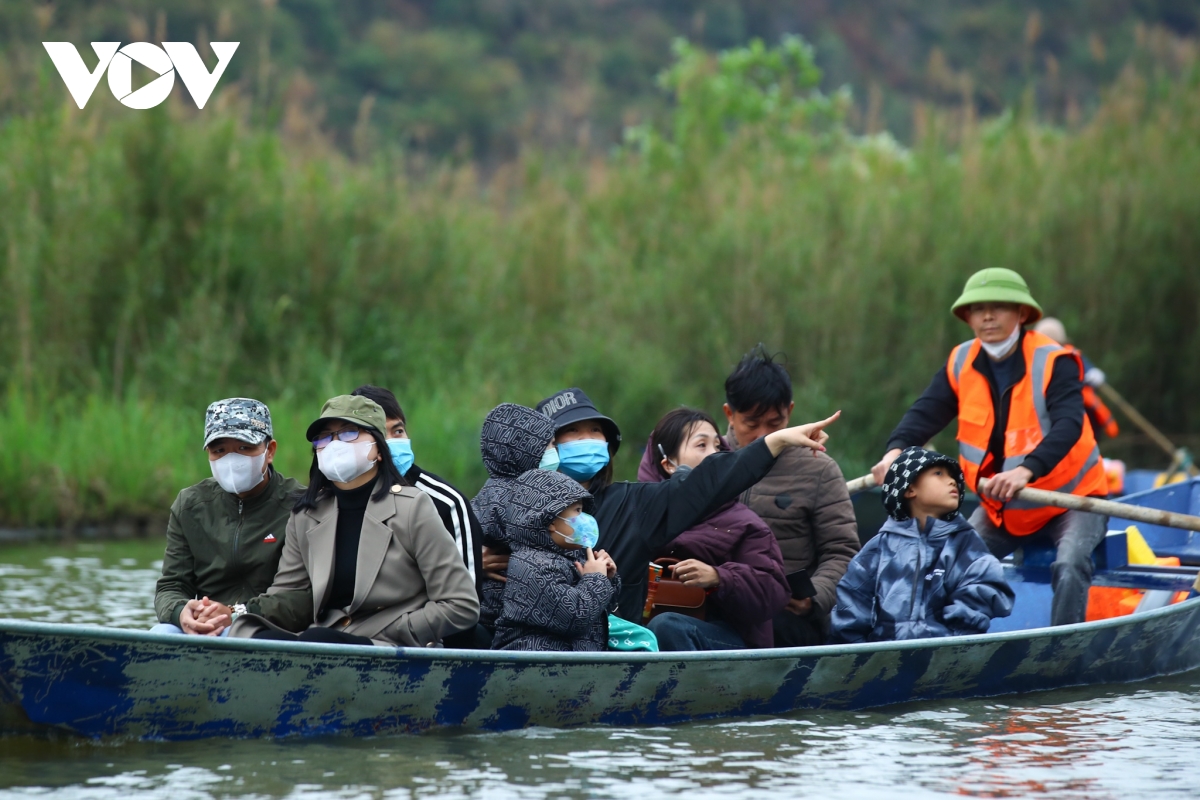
(205, 617)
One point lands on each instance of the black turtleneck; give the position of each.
(351, 504)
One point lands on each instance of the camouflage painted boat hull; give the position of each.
(112, 683)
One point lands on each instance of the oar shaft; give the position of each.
(1177, 455)
(1128, 410)
(861, 484)
(1151, 516)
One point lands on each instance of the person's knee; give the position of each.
(166, 627)
(1076, 554)
(671, 627)
(1078, 567)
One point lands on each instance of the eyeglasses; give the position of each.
(344, 435)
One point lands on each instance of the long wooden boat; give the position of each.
(103, 682)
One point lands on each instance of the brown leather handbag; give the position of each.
(667, 594)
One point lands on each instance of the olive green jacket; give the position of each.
(221, 547)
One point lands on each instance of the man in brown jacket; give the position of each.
(803, 498)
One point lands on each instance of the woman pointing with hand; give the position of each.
(637, 520)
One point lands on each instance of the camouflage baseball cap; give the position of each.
(238, 418)
(350, 408)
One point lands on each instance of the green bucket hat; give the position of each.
(350, 408)
(996, 285)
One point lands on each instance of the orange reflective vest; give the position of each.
(1080, 472)
(1098, 413)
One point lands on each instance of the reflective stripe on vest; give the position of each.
(1038, 372)
(960, 359)
(1079, 472)
(971, 453)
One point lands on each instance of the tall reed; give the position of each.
(152, 263)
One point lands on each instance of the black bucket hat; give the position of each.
(903, 473)
(572, 405)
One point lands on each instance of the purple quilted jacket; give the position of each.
(746, 555)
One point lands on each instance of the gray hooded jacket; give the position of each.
(548, 605)
(512, 442)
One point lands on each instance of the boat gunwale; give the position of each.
(497, 657)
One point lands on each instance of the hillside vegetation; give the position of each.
(485, 79)
(156, 261)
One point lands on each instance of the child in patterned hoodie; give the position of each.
(514, 440)
(927, 573)
(559, 592)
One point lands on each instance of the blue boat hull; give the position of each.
(111, 683)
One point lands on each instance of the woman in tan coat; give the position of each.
(366, 559)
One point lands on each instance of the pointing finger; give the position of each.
(828, 420)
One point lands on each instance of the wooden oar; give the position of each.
(1159, 438)
(861, 484)
(1151, 516)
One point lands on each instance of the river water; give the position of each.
(1100, 742)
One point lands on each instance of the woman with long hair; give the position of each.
(367, 559)
(731, 554)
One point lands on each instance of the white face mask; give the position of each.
(1001, 349)
(344, 461)
(237, 473)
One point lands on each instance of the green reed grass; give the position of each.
(154, 261)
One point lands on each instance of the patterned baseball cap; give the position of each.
(238, 418)
(903, 473)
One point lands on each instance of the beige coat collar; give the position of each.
(372, 546)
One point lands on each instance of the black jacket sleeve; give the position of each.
(934, 410)
(1064, 404)
(720, 478)
(476, 533)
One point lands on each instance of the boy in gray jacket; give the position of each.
(927, 573)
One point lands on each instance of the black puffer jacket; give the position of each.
(638, 520)
(512, 442)
(548, 605)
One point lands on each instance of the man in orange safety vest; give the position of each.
(1018, 397)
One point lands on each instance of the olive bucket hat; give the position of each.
(350, 408)
(996, 285)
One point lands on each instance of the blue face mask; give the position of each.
(583, 458)
(549, 460)
(585, 531)
(402, 454)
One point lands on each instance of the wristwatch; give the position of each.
(238, 610)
